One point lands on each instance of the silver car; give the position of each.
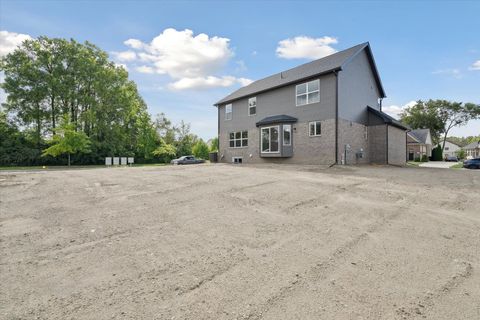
(187, 160)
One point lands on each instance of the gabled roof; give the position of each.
(387, 119)
(333, 62)
(420, 135)
(473, 145)
(282, 118)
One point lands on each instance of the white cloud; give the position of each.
(207, 82)
(145, 69)
(122, 65)
(192, 61)
(306, 47)
(475, 65)
(455, 73)
(394, 110)
(134, 43)
(124, 56)
(9, 41)
(244, 81)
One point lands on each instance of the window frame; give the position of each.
(228, 106)
(269, 139)
(283, 135)
(307, 93)
(240, 140)
(250, 107)
(315, 129)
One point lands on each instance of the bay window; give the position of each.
(270, 139)
(287, 135)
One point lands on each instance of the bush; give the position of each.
(200, 150)
(424, 158)
(437, 153)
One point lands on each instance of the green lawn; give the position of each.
(413, 163)
(458, 165)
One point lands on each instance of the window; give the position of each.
(270, 139)
(446, 148)
(252, 106)
(228, 112)
(315, 128)
(308, 92)
(238, 139)
(287, 134)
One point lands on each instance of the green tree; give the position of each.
(67, 141)
(460, 154)
(165, 151)
(440, 116)
(214, 144)
(200, 150)
(47, 79)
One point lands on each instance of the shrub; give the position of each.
(424, 158)
(437, 153)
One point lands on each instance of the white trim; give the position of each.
(307, 93)
(251, 99)
(237, 139)
(269, 139)
(283, 134)
(315, 129)
(230, 113)
(240, 158)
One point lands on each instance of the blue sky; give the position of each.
(422, 49)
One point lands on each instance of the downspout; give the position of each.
(381, 104)
(218, 132)
(386, 139)
(336, 116)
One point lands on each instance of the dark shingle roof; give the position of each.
(282, 118)
(387, 119)
(473, 145)
(321, 66)
(420, 135)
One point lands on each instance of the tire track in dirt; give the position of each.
(421, 305)
(321, 269)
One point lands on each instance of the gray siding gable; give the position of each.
(328, 64)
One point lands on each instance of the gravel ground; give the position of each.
(240, 242)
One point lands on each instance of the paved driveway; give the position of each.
(437, 164)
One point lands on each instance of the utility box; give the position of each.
(130, 160)
(116, 161)
(123, 161)
(108, 161)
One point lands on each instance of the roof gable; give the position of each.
(331, 63)
(421, 135)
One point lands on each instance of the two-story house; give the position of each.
(327, 111)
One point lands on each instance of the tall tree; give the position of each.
(67, 141)
(200, 149)
(440, 116)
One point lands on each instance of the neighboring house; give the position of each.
(419, 144)
(472, 150)
(327, 111)
(450, 149)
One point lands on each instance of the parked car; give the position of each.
(472, 163)
(187, 160)
(451, 158)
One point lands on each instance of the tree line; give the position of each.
(66, 99)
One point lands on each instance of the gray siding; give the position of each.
(357, 89)
(276, 102)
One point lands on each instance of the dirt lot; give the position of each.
(239, 242)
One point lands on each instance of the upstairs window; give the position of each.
(308, 92)
(252, 106)
(315, 128)
(228, 112)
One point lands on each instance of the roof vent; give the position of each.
(282, 76)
